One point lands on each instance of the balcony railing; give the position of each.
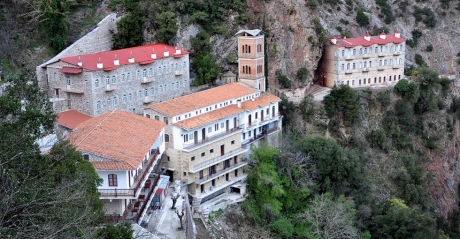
(252, 139)
(147, 99)
(69, 89)
(380, 54)
(211, 138)
(221, 172)
(132, 192)
(348, 72)
(179, 72)
(109, 88)
(217, 160)
(349, 58)
(396, 66)
(146, 80)
(365, 69)
(269, 131)
(397, 53)
(366, 56)
(380, 68)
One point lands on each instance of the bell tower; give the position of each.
(251, 58)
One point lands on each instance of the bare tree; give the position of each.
(331, 219)
(180, 218)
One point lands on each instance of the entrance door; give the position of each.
(203, 133)
(227, 125)
(249, 120)
(222, 149)
(195, 137)
(234, 122)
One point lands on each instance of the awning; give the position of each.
(71, 70)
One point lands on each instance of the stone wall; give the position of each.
(97, 40)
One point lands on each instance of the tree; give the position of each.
(361, 18)
(200, 43)
(181, 215)
(129, 31)
(342, 103)
(331, 219)
(408, 91)
(119, 231)
(51, 195)
(302, 74)
(167, 26)
(206, 68)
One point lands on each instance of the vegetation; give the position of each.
(425, 15)
(342, 104)
(52, 17)
(129, 31)
(119, 231)
(167, 26)
(42, 195)
(207, 69)
(361, 18)
(302, 74)
(385, 10)
(416, 34)
(282, 79)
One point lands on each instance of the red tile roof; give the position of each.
(227, 111)
(71, 118)
(71, 70)
(122, 138)
(141, 55)
(360, 41)
(202, 99)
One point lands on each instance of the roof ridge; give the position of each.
(97, 126)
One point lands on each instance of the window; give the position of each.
(342, 67)
(113, 180)
(128, 76)
(87, 105)
(167, 138)
(343, 53)
(233, 142)
(216, 127)
(212, 169)
(146, 92)
(124, 98)
(348, 66)
(244, 136)
(354, 66)
(209, 129)
(151, 91)
(354, 52)
(114, 79)
(185, 173)
(211, 151)
(185, 137)
(161, 89)
(190, 136)
(139, 94)
(157, 117)
(151, 71)
(360, 51)
(376, 49)
(165, 119)
(107, 80)
(138, 74)
(86, 84)
(68, 81)
(222, 125)
(109, 102)
(85, 157)
(130, 96)
(96, 83)
(114, 101)
(203, 154)
(192, 158)
(122, 77)
(144, 73)
(98, 105)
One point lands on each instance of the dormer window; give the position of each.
(85, 157)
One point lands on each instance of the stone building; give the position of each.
(209, 135)
(362, 61)
(125, 149)
(126, 79)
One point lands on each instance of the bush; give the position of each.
(302, 74)
(167, 26)
(342, 103)
(419, 60)
(361, 18)
(386, 11)
(282, 79)
(206, 68)
(377, 139)
(129, 32)
(243, 18)
(429, 48)
(425, 15)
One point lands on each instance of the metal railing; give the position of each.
(219, 159)
(220, 172)
(211, 138)
(137, 182)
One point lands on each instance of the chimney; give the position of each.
(238, 103)
(154, 56)
(131, 59)
(367, 37)
(166, 53)
(79, 62)
(397, 34)
(383, 35)
(178, 50)
(116, 61)
(99, 64)
(334, 41)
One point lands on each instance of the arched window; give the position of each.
(360, 51)
(109, 103)
(128, 76)
(343, 52)
(114, 80)
(138, 74)
(122, 77)
(151, 71)
(144, 73)
(124, 98)
(376, 49)
(96, 83)
(130, 96)
(98, 105)
(152, 91)
(107, 80)
(385, 62)
(354, 66)
(146, 92)
(249, 49)
(114, 100)
(113, 182)
(354, 52)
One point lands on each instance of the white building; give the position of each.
(362, 61)
(125, 149)
(209, 133)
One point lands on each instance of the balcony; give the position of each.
(348, 58)
(138, 181)
(251, 76)
(380, 54)
(348, 72)
(73, 90)
(380, 68)
(221, 172)
(269, 131)
(217, 160)
(210, 139)
(179, 72)
(147, 99)
(146, 80)
(365, 69)
(109, 88)
(209, 191)
(366, 56)
(396, 66)
(396, 53)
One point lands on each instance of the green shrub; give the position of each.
(167, 26)
(282, 79)
(386, 11)
(342, 103)
(302, 74)
(129, 32)
(361, 18)
(429, 48)
(377, 139)
(243, 18)
(425, 15)
(343, 21)
(419, 60)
